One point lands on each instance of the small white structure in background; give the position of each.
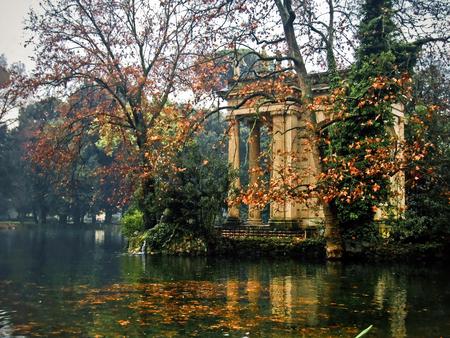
(100, 217)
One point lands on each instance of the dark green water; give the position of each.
(75, 282)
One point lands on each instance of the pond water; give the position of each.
(61, 281)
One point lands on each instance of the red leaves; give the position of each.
(376, 187)
(123, 322)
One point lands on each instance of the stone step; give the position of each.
(264, 231)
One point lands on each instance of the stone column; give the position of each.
(311, 213)
(291, 140)
(234, 164)
(398, 180)
(277, 209)
(284, 153)
(397, 200)
(254, 213)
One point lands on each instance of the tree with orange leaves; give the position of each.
(122, 64)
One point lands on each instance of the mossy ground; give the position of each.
(310, 249)
(404, 252)
(166, 240)
(231, 247)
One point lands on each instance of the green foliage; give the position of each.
(132, 222)
(375, 82)
(379, 79)
(172, 239)
(378, 35)
(376, 29)
(194, 196)
(363, 237)
(5, 171)
(44, 188)
(187, 203)
(428, 183)
(365, 130)
(404, 252)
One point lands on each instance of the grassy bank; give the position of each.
(158, 241)
(254, 246)
(403, 252)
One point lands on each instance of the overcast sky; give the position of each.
(12, 38)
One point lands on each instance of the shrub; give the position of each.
(132, 222)
(172, 239)
(192, 198)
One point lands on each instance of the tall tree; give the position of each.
(378, 80)
(5, 171)
(428, 189)
(134, 55)
(11, 91)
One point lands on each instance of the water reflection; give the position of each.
(99, 236)
(60, 282)
(6, 329)
(390, 295)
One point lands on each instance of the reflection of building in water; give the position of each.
(280, 296)
(6, 329)
(390, 296)
(379, 293)
(308, 299)
(253, 292)
(398, 314)
(232, 295)
(293, 298)
(99, 236)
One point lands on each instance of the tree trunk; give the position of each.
(62, 219)
(333, 237)
(332, 232)
(21, 216)
(144, 203)
(76, 215)
(108, 216)
(43, 215)
(146, 183)
(93, 219)
(35, 216)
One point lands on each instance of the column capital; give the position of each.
(232, 117)
(292, 110)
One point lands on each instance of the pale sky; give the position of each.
(12, 38)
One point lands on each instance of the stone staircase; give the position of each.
(243, 231)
